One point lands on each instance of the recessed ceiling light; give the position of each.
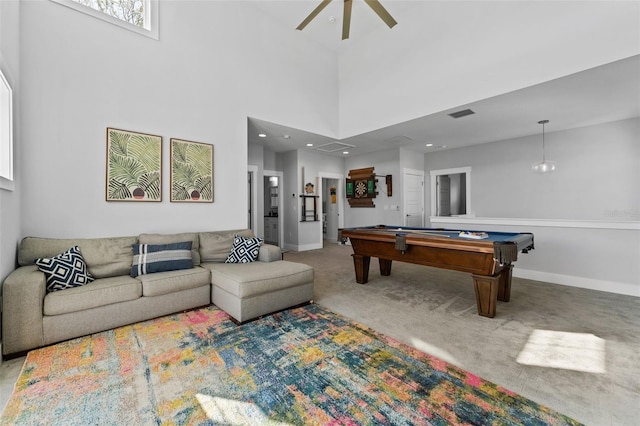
(262, 135)
(309, 144)
(345, 152)
(429, 144)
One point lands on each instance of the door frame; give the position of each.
(254, 198)
(280, 176)
(420, 173)
(435, 173)
(339, 197)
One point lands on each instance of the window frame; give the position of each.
(7, 180)
(150, 28)
(458, 170)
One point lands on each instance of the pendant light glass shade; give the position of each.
(544, 166)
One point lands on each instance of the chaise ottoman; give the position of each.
(249, 290)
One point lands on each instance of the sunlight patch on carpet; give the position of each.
(433, 350)
(234, 413)
(564, 350)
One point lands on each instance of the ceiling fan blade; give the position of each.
(382, 12)
(313, 14)
(346, 19)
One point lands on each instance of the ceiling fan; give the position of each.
(346, 21)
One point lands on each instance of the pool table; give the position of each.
(488, 256)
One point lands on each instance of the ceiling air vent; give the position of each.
(463, 113)
(334, 146)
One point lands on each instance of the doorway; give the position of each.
(272, 213)
(413, 196)
(330, 213)
(331, 200)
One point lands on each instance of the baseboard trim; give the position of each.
(304, 247)
(628, 289)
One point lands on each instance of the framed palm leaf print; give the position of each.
(134, 165)
(191, 171)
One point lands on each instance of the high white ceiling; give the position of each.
(606, 93)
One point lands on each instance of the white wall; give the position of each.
(585, 216)
(597, 174)
(451, 53)
(290, 201)
(216, 63)
(10, 222)
(310, 233)
(385, 163)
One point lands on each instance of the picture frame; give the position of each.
(133, 166)
(191, 171)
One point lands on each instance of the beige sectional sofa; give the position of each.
(32, 318)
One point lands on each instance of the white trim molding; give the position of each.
(433, 174)
(547, 223)
(605, 256)
(150, 17)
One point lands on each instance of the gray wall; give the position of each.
(598, 172)
(585, 216)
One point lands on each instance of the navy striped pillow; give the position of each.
(148, 258)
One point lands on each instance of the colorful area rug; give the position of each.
(302, 366)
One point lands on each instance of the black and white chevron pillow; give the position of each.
(65, 270)
(244, 250)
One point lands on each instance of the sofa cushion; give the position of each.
(244, 250)
(105, 257)
(150, 258)
(269, 253)
(101, 292)
(174, 281)
(175, 238)
(216, 245)
(66, 270)
(251, 279)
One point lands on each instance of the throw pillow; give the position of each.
(149, 258)
(66, 270)
(244, 250)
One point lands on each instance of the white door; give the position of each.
(413, 199)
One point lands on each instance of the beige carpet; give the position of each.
(575, 350)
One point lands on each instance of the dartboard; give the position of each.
(361, 188)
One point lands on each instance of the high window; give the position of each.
(6, 134)
(136, 15)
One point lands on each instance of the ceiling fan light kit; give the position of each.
(377, 7)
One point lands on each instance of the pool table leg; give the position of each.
(486, 288)
(361, 264)
(385, 267)
(504, 286)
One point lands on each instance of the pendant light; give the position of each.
(544, 167)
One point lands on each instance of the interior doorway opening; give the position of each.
(330, 209)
